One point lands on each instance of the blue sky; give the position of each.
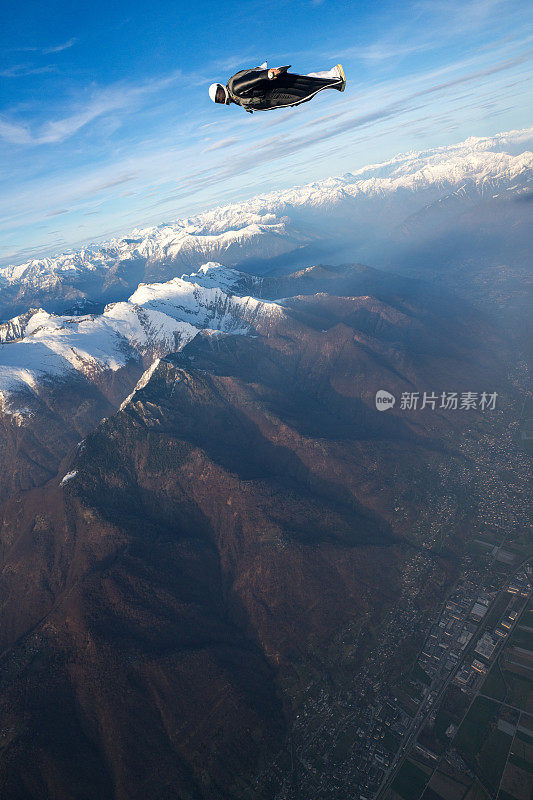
(105, 121)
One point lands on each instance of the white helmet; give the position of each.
(213, 92)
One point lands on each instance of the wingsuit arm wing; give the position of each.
(249, 80)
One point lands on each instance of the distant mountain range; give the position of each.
(372, 216)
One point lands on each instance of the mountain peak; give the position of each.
(158, 318)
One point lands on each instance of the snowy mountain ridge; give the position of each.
(273, 224)
(153, 312)
(158, 318)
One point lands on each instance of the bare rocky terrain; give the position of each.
(189, 559)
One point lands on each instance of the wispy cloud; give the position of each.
(13, 132)
(437, 23)
(47, 50)
(482, 73)
(58, 48)
(229, 142)
(385, 49)
(117, 98)
(100, 187)
(23, 70)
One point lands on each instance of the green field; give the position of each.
(494, 684)
(475, 728)
(479, 548)
(527, 618)
(527, 766)
(492, 758)
(477, 792)
(519, 689)
(521, 638)
(442, 723)
(481, 744)
(410, 781)
(391, 742)
(525, 737)
(455, 702)
(418, 674)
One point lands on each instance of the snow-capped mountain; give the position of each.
(359, 210)
(157, 319)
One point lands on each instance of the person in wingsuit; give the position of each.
(262, 89)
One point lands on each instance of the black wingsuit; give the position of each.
(251, 89)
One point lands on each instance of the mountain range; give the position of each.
(389, 214)
(210, 535)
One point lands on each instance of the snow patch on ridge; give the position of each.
(157, 319)
(141, 383)
(205, 307)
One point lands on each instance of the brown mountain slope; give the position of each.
(163, 611)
